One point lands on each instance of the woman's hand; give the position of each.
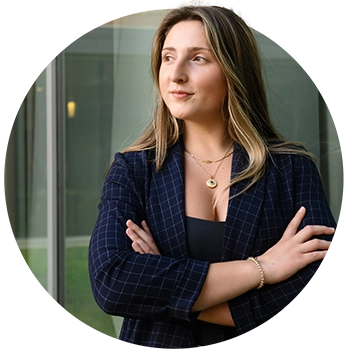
(142, 239)
(295, 250)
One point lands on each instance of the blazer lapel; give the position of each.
(167, 201)
(243, 212)
(168, 206)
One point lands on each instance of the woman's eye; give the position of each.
(167, 58)
(199, 59)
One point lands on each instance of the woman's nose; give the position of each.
(179, 72)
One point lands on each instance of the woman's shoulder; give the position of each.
(137, 158)
(290, 155)
(136, 168)
(131, 162)
(146, 158)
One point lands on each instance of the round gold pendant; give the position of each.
(212, 183)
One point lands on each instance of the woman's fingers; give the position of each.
(146, 228)
(295, 250)
(142, 238)
(134, 227)
(294, 224)
(144, 233)
(315, 256)
(137, 248)
(315, 245)
(139, 245)
(309, 231)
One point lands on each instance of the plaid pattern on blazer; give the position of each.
(155, 294)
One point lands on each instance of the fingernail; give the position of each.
(301, 209)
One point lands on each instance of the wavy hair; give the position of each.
(245, 107)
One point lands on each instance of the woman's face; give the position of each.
(191, 81)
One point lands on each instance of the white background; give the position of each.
(31, 30)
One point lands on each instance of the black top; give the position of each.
(204, 239)
(205, 243)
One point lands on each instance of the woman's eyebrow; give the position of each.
(190, 49)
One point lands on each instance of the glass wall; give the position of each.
(102, 98)
(26, 179)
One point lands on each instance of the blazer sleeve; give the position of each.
(129, 284)
(257, 306)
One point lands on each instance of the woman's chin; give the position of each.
(185, 116)
(179, 115)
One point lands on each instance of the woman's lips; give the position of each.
(180, 94)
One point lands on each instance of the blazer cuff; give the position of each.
(187, 290)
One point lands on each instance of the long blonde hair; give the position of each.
(245, 107)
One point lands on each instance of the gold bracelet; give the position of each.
(261, 271)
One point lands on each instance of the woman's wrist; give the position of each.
(234, 278)
(260, 269)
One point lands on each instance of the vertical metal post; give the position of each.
(51, 163)
(61, 176)
(55, 182)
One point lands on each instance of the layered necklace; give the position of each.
(211, 183)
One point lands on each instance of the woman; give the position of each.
(209, 224)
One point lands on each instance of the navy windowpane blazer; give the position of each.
(155, 294)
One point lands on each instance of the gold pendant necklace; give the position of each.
(208, 161)
(212, 182)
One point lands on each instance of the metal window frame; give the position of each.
(55, 180)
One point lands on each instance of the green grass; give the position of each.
(79, 300)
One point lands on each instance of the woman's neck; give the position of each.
(207, 142)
